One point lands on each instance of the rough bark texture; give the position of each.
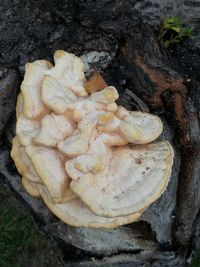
(119, 38)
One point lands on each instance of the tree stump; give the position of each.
(119, 39)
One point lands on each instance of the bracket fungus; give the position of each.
(91, 161)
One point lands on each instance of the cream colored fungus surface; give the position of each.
(91, 161)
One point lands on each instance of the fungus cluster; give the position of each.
(91, 161)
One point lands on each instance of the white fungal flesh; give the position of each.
(73, 149)
(131, 180)
(26, 129)
(23, 163)
(30, 187)
(140, 128)
(34, 108)
(76, 213)
(50, 167)
(69, 71)
(19, 105)
(54, 128)
(55, 96)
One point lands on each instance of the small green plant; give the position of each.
(172, 31)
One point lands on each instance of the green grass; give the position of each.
(196, 261)
(21, 244)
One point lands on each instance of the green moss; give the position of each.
(172, 31)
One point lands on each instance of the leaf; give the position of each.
(172, 32)
(176, 29)
(188, 32)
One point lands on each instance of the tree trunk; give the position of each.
(118, 38)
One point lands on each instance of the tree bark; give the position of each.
(119, 39)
